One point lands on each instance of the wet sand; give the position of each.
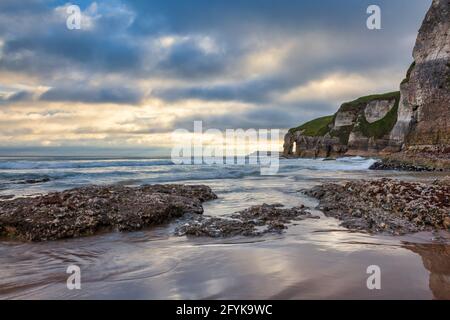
(147, 265)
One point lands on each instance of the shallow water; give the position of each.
(312, 259)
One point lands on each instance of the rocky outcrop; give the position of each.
(395, 207)
(378, 109)
(360, 127)
(416, 122)
(254, 221)
(426, 158)
(391, 164)
(424, 111)
(298, 145)
(86, 211)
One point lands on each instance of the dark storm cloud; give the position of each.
(189, 60)
(235, 19)
(259, 118)
(304, 64)
(79, 50)
(21, 7)
(38, 43)
(251, 91)
(341, 41)
(328, 36)
(118, 95)
(18, 96)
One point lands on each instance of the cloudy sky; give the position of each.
(137, 70)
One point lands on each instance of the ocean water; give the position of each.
(312, 259)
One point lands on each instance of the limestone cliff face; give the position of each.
(414, 120)
(359, 127)
(424, 111)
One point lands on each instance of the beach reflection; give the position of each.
(436, 259)
(151, 265)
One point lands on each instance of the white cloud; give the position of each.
(340, 87)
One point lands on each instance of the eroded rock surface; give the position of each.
(359, 127)
(254, 221)
(391, 164)
(424, 111)
(377, 110)
(85, 211)
(429, 158)
(385, 205)
(412, 124)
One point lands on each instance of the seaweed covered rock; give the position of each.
(395, 207)
(254, 221)
(88, 210)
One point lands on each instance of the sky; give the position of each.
(138, 70)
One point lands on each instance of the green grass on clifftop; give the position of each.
(315, 128)
(321, 126)
(356, 104)
(382, 127)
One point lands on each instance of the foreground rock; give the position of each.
(430, 158)
(386, 205)
(391, 164)
(85, 211)
(255, 221)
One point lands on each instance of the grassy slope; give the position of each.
(320, 126)
(314, 128)
(380, 128)
(356, 104)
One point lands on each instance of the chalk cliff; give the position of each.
(424, 111)
(360, 127)
(412, 122)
